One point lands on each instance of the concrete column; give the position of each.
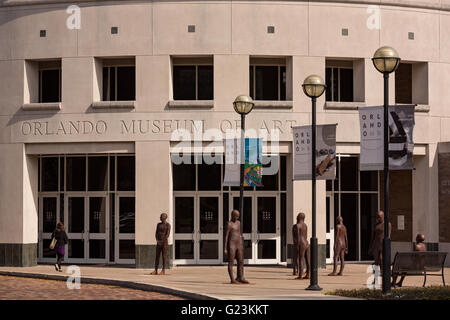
(231, 78)
(153, 197)
(79, 80)
(153, 82)
(18, 207)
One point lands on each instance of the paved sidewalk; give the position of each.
(196, 282)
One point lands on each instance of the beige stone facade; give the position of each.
(308, 36)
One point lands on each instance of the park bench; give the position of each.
(419, 263)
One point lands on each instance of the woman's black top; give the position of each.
(61, 237)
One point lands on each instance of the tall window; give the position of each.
(339, 81)
(403, 83)
(193, 82)
(50, 82)
(267, 82)
(119, 82)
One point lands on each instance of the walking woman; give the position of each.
(61, 240)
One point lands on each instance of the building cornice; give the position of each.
(442, 5)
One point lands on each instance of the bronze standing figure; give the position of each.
(376, 244)
(303, 247)
(162, 243)
(234, 248)
(340, 246)
(294, 250)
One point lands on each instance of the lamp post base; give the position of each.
(314, 287)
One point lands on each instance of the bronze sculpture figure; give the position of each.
(376, 243)
(340, 246)
(162, 243)
(294, 250)
(303, 247)
(234, 248)
(419, 246)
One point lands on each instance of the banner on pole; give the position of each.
(401, 145)
(252, 164)
(325, 152)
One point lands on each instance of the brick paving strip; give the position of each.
(211, 282)
(19, 288)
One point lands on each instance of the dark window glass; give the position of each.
(349, 174)
(184, 214)
(267, 214)
(61, 174)
(97, 173)
(126, 173)
(76, 214)
(329, 89)
(127, 214)
(369, 180)
(112, 223)
(283, 173)
(248, 251)
(39, 174)
(403, 83)
(112, 173)
(97, 249)
(76, 174)
(76, 248)
(327, 214)
(328, 248)
(329, 185)
(209, 214)
(112, 84)
(46, 251)
(50, 86)
(246, 218)
(126, 83)
(267, 249)
(209, 176)
(50, 174)
(209, 249)
(338, 172)
(49, 214)
(349, 212)
(266, 82)
(335, 84)
(127, 249)
(205, 82)
(346, 83)
(269, 182)
(183, 176)
(184, 249)
(225, 212)
(283, 204)
(282, 83)
(97, 215)
(105, 83)
(252, 78)
(184, 82)
(369, 208)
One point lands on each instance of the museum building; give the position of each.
(100, 100)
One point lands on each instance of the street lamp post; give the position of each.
(386, 61)
(313, 87)
(243, 105)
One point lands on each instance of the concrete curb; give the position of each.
(119, 283)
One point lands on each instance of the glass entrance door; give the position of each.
(48, 218)
(208, 241)
(198, 232)
(261, 228)
(98, 229)
(76, 228)
(125, 229)
(329, 228)
(87, 227)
